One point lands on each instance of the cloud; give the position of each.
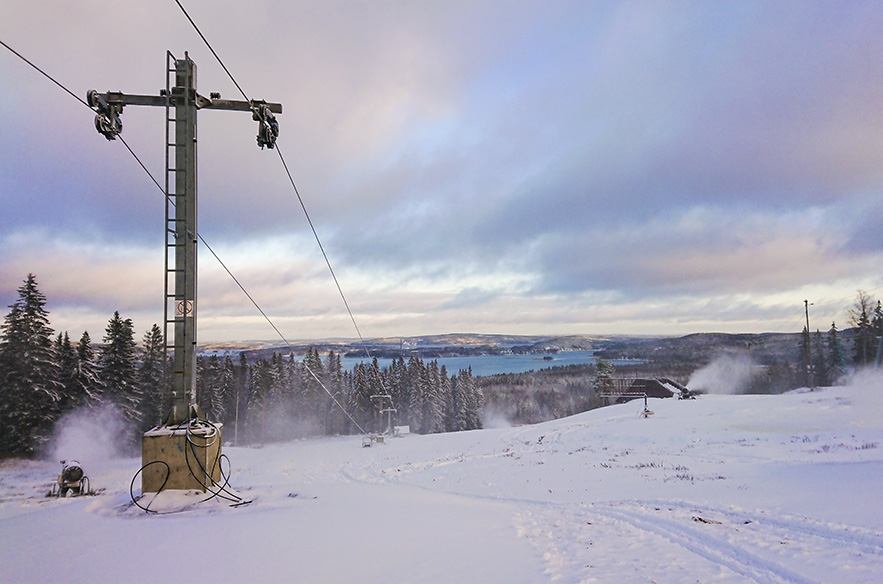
(481, 163)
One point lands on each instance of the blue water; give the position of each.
(493, 364)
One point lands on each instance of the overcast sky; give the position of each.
(495, 167)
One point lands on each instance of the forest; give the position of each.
(44, 376)
(262, 398)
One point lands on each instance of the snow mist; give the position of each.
(89, 436)
(495, 419)
(726, 374)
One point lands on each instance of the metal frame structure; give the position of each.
(180, 289)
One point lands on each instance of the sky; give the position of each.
(513, 167)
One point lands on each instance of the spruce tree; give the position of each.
(87, 388)
(834, 350)
(119, 373)
(877, 333)
(155, 400)
(260, 380)
(210, 393)
(278, 385)
(214, 408)
(334, 417)
(29, 374)
(474, 400)
(434, 401)
(67, 364)
(311, 399)
(603, 376)
(359, 401)
(452, 406)
(201, 385)
(397, 383)
(239, 400)
(221, 391)
(376, 389)
(417, 393)
(819, 362)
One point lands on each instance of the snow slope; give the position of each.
(722, 489)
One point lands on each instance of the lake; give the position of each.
(494, 364)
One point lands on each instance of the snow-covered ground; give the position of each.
(780, 488)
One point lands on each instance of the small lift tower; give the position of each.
(189, 446)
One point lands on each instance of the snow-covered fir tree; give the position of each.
(87, 388)
(819, 361)
(359, 399)
(155, 400)
(238, 402)
(603, 376)
(434, 403)
(377, 392)
(417, 382)
(30, 389)
(214, 408)
(834, 351)
(310, 396)
(67, 372)
(334, 417)
(397, 384)
(224, 387)
(259, 384)
(469, 401)
(454, 419)
(119, 374)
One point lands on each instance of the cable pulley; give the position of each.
(268, 127)
(107, 118)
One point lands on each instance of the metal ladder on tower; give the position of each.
(172, 270)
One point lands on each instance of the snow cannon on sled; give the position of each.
(72, 481)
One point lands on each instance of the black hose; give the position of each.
(132, 485)
(211, 485)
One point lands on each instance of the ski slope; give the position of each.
(722, 489)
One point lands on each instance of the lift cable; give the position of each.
(82, 101)
(201, 238)
(205, 40)
(306, 214)
(287, 172)
(44, 74)
(321, 247)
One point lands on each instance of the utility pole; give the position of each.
(180, 289)
(812, 385)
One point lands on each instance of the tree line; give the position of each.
(281, 398)
(823, 359)
(44, 376)
(261, 399)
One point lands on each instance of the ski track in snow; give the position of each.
(729, 545)
(618, 540)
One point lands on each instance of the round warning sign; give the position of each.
(185, 308)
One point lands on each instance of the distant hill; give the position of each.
(696, 348)
(450, 340)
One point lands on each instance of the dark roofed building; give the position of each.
(624, 390)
